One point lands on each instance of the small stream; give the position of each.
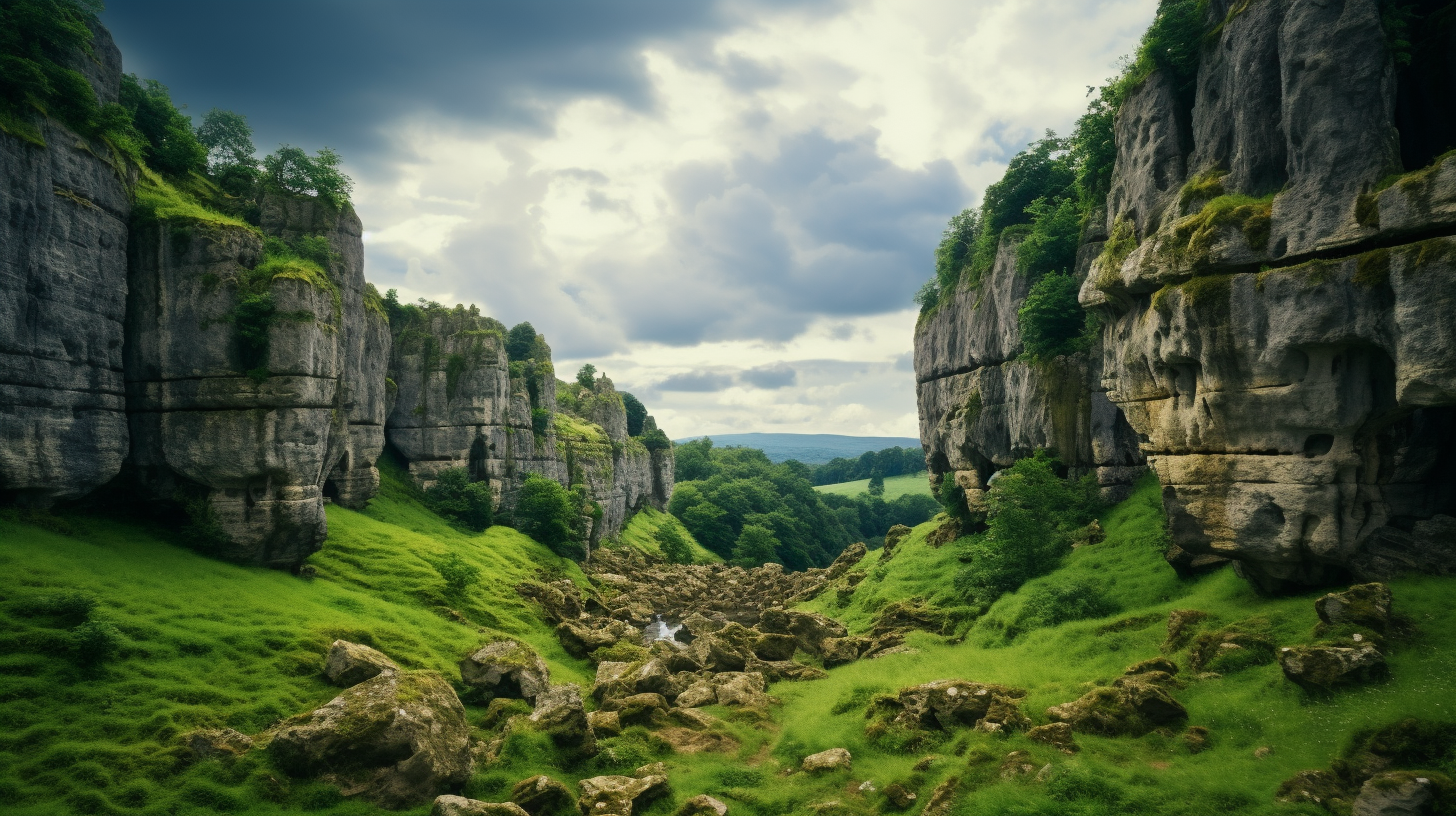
(660, 629)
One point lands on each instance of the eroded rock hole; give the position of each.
(1318, 445)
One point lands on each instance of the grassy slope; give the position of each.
(895, 487)
(1154, 774)
(212, 644)
(641, 534)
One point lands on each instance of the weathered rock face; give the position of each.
(462, 403)
(254, 430)
(1279, 317)
(982, 409)
(1300, 417)
(63, 244)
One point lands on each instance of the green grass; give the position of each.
(641, 534)
(895, 487)
(159, 200)
(207, 644)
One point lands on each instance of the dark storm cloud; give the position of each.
(778, 375)
(330, 72)
(697, 381)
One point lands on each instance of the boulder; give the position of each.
(906, 615)
(1320, 788)
(613, 681)
(947, 704)
(543, 796)
(1321, 668)
(852, 555)
(1132, 706)
(349, 664)
(834, 759)
(808, 628)
(398, 739)
(1365, 605)
(841, 650)
(1196, 738)
(1182, 625)
(560, 600)
(1058, 735)
(702, 805)
(653, 677)
(606, 723)
(775, 646)
(217, 742)
(893, 537)
(638, 709)
(776, 670)
(559, 712)
(943, 798)
(580, 640)
(617, 795)
(1398, 793)
(701, 693)
(899, 796)
(506, 668)
(741, 689)
(460, 806)
(1158, 664)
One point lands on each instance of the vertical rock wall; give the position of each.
(63, 240)
(1281, 335)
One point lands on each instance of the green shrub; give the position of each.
(954, 251)
(586, 376)
(1032, 516)
(1056, 230)
(755, 546)
(203, 531)
(1055, 604)
(67, 604)
(459, 574)
(540, 421)
(457, 498)
(172, 146)
(636, 414)
(549, 513)
(673, 545)
(291, 170)
(520, 341)
(1052, 321)
(94, 642)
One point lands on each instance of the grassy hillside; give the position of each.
(895, 487)
(207, 644)
(641, 534)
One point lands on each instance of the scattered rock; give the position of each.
(350, 664)
(637, 709)
(460, 806)
(613, 681)
(905, 615)
(1321, 668)
(1196, 738)
(690, 741)
(1058, 735)
(580, 640)
(701, 693)
(543, 796)
(1133, 706)
(1160, 664)
(1365, 605)
(867, 787)
(925, 763)
(559, 600)
(899, 796)
(834, 759)
(1399, 793)
(1263, 752)
(942, 799)
(398, 739)
(1182, 625)
(948, 531)
(617, 795)
(808, 628)
(775, 646)
(506, 668)
(702, 805)
(742, 689)
(1316, 788)
(1089, 536)
(605, 723)
(893, 537)
(216, 742)
(852, 555)
(560, 713)
(1017, 764)
(946, 704)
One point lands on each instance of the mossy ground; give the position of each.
(210, 644)
(895, 486)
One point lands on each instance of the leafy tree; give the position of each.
(292, 170)
(1056, 230)
(38, 41)
(876, 486)
(709, 525)
(694, 461)
(1033, 514)
(755, 546)
(636, 414)
(228, 140)
(540, 421)
(954, 252)
(586, 376)
(520, 341)
(547, 512)
(171, 146)
(1052, 321)
(673, 544)
(456, 497)
(655, 440)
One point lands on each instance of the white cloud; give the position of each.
(772, 211)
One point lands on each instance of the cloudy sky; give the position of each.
(726, 205)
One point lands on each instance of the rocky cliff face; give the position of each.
(462, 403)
(981, 408)
(63, 244)
(1277, 295)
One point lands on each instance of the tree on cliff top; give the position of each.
(228, 139)
(292, 170)
(520, 341)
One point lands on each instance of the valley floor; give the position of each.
(207, 644)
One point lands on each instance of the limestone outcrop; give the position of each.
(63, 243)
(1273, 278)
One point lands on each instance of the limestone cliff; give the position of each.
(1277, 297)
(462, 403)
(62, 279)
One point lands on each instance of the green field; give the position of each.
(895, 487)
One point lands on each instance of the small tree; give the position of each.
(636, 414)
(540, 421)
(228, 139)
(586, 375)
(292, 170)
(1051, 319)
(673, 545)
(877, 485)
(520, 341)
(755, 546)
(171, 146)
(457, 498)
(458, 573)
(546, 512)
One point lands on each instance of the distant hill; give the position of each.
(811, 449)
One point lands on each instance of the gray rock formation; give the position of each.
(63, 244)
(253, 430)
